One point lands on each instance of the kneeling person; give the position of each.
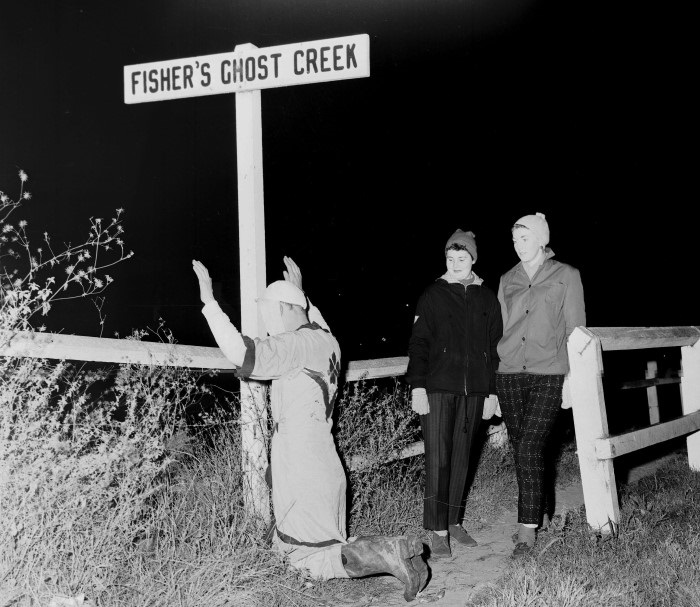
(302, 359)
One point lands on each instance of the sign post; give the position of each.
(246, 71)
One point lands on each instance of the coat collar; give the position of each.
(447, 278)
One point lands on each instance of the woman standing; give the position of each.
(451, 368)
(542, 303)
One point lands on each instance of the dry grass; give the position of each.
(373, 424)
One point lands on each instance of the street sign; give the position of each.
(248, 68)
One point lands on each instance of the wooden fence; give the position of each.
(596, 448)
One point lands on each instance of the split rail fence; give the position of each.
(596, 448)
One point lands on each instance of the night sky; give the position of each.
(474, 114)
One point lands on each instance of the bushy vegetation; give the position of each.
(81, 469)
(114, 500)
(375, 423)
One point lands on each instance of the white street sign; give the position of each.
(247, 68)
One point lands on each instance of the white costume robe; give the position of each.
(308, 480)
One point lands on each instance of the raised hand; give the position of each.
(292, 273)
(206, 291)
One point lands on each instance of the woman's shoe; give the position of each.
(440, 545)
(459, 534)
(525, 540)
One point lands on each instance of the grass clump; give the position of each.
(375, 424)
(80, 467)
(200, 546)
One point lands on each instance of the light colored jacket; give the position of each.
(538, 317)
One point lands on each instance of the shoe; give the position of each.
(459, 534)
(400, 556)
(526, 536)
(440, 545)
(546, 522)
(522, 549)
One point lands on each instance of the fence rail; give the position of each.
(109, 350)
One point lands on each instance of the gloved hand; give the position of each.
(419, 401)
(566, 393)
(491, 407)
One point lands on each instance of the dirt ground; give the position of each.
(455, 580)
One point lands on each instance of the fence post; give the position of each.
(690, 396)
(254, 420)
(251, 245)
(591, 423)
(652, 393)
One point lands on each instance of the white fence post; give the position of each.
(690, 396)
(251, 243)
(590, 423)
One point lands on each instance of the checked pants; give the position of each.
(530, 405)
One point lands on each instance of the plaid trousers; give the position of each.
(449, 431)
(530, 404)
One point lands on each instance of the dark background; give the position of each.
(475, 113)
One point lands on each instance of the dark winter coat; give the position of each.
(454, 339)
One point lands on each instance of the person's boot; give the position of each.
(399, 556)
(546, 522)
(440, 545)
(526, 541)
(459, 534)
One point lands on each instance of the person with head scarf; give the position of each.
(302, 359)
(542, 303)
(451, 369)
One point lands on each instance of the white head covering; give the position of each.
(280, 290)
(538, 225)
(283, 290)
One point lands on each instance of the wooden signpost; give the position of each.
(245, 71)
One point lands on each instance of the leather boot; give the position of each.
(399, 556)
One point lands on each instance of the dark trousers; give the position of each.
(530, 404)
(448, 435)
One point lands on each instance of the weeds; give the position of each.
(79, 474)
(33, 278)
(373, 426)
